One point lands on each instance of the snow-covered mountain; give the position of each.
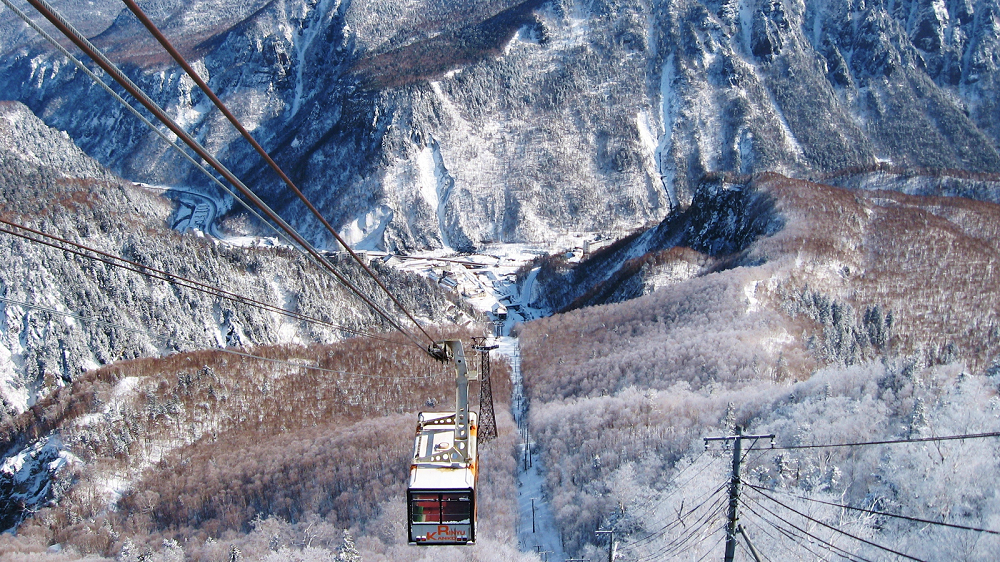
(62, 314)
(437, 123)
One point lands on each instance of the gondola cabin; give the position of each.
(442, 491)
(441, 496)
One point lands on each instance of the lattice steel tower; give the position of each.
(487, 419)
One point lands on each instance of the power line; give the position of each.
(885, 513)
(698, 534)
(151, 27)
(768, 535)
(168, 339)
(171, 278)
(651, 507)
(710, 550)
(797, 539)
(649, 536)
(834, 549)
(81, 42)
(710, 516)
(891, 441)
(831, 527)
(711, 527)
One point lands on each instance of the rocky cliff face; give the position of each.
(440, 123)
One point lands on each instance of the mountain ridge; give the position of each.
(602, 115)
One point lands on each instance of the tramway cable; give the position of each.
(149, 124)
(180, 151)
(176, 55)
(454, 497)
(81, 42)
(171, 278)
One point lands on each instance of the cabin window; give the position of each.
(426, 508)
(456, 508)
(441, 508)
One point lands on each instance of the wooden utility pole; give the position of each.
(611, 544)
(732, 526)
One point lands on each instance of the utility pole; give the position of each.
(532, 515)
(487, 419)
(732, 526)
(611, 544)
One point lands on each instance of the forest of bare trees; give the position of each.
(869, 315)
(201, 451)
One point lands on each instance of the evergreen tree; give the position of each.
(347, 551)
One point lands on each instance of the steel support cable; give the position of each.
(885, 513)
(745, 533)
(707, 519)
(177, 280)
(174, 146)
(175, 54)
(890, 441)
(832, 528)
(797, 539)
(167, 339)
(149, 124)
(651, 535)
(83, 44)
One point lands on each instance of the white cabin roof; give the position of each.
(439, 438)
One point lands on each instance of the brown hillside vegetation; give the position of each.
(198, 448)
(854, 321)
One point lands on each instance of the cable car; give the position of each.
(441, 496)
